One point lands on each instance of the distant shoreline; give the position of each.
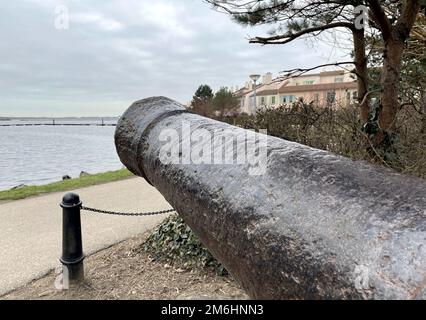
(107, 118)
(57, 124)
(81, 121)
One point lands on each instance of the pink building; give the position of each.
(330, 88)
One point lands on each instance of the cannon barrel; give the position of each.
(312, 225)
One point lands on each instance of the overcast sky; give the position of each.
(119, 51)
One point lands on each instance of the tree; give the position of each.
(202, 100)
(204, 92)
(294, 19)
(225, 103)
(394, 35)
(412, 90)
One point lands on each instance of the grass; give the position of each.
(65, 185)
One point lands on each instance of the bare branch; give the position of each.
(364, 99)
(289, 36)
(297, 72)
(381, 19)
(407, 18)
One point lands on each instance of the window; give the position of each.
(289, 98)
(355, 95)
(316, 97)
(272, 100)
(307, 82)
(348, 96)
(331, 97)
(338, 79)
(262, 100)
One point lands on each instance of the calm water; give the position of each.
(36, 155)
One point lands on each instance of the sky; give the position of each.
(114, 52)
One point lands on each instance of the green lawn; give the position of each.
(65, 185)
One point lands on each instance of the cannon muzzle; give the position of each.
(287, 221)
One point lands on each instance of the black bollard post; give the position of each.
(72, 246)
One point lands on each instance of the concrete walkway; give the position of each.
(30, 229)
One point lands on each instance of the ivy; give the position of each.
(174, 241)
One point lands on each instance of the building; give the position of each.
(329, 88)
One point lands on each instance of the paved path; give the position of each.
(30, 229)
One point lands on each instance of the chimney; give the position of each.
(267, 78)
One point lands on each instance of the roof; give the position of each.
(243, 91)
(281, 86)
(332, 73)
(269, 92)
(319, 74)
(318, 87)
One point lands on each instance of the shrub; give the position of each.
(174, 241)
(339, 130)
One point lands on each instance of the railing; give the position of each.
(72, 256)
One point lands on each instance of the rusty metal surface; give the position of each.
(314, 226)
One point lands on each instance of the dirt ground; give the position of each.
(123, 271)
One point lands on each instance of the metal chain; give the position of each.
(136, 214)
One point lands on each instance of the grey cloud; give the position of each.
(119, 51)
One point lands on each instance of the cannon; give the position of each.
(289, 221)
